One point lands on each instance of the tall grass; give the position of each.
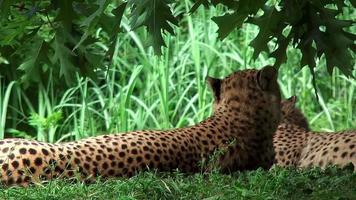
(5, 93)
(143, 91)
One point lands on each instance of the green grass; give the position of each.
(260, 184)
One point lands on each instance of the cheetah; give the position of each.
(295, 145)
(246, 110)
(291, 135)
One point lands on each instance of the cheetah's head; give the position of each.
(291, 114)
(249, 93)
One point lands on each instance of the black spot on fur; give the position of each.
(121, 165)
(15, 164)
(344, 154)
(52, 150)
(10, 181)
(336, 149)
(26, 162)
(138, 159)
(76, 161)
(111, 157)
(38, 161)
(70, 173)
(4, 150)
(19, 180)
(11, 156)
(32, 170)
(129, 160)
(52, 162)
(5, 166)
(45, 152)
(32, 151)
(105, 165)
(111, 172)
(86, 166)
(22, 151)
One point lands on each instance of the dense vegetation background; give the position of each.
(71, 70)
(56, 86)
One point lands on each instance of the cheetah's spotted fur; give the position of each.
(295, 145)
(246, 110)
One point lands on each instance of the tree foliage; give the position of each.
(38, 38)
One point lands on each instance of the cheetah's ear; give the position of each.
(215, 85)
(292, 99)
(267, 77)
(288, 105)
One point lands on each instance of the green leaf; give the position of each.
(36, 57)
(94, 61)
(340, 4)
(229, 22)
(353, 2)
(270, 25)
(66, 14)
(292, 10)
(111, 24)
(334, 42)
(156, 16)
(12, 30)
(63, 56)
(242, 9)
(308, 55)
(4, 8)
(342, 59)
(231, 4)
(280, 54)
(308, 58)
(31, 71)
(91, 21)
(52, 120)
(198, 3)
(118, 13)
(85, 9)
(32, 11)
